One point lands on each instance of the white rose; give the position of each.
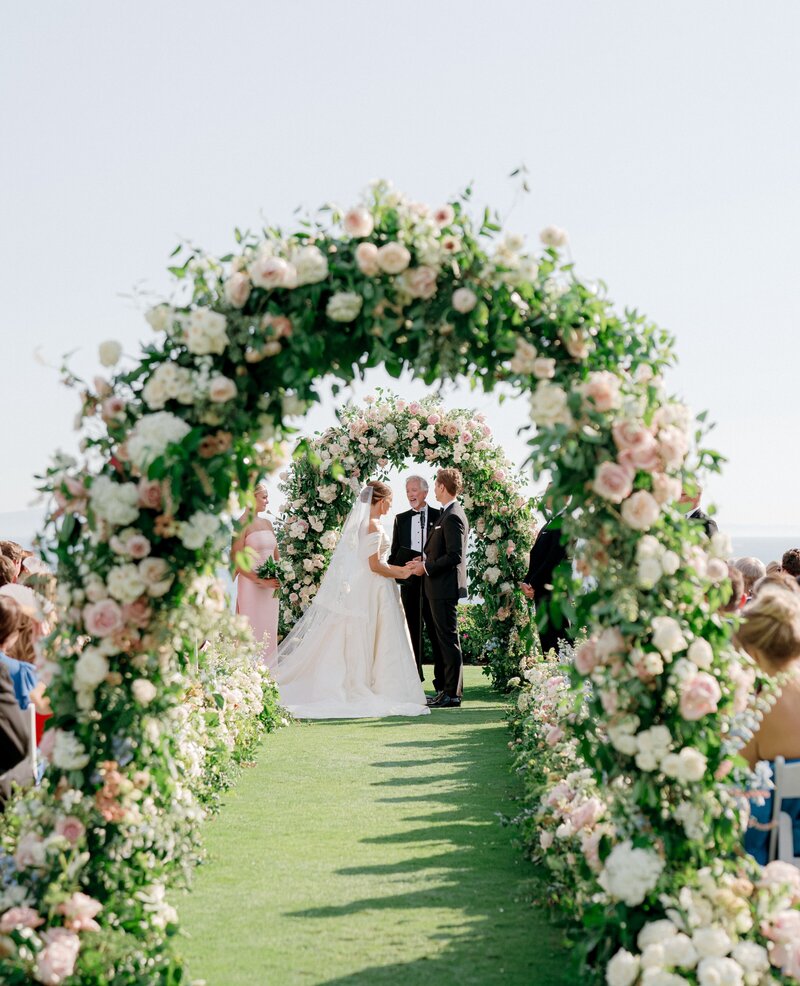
(200, 527)
(720, 545)
(270, 272)
(648, 572)
(552, 236)
(630, 874)
(311, 265)
(525, 356)
(125, 583)
(679, 951)
(237, 289)
(151, 435)
(110, 352)
(492, 575)
(719, 972)
(751, 957)
(692, 764)
(464, 300)
(344, 306)
(143, 691)
(117, 503)
(90, 669)
(205, 332)
(667, 635)
(221, 389)
(623, 969)
(549, 405)
(701, 654)
(656, 932)
(717, 570)
(328, 540)
(358, 223)
(393, 258)
(544, 368)
(640, 511)
(68, 752)
(670, 562)
(160, 317)
(367, 259)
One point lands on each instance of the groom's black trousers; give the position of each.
(418, 613)
(445, 620)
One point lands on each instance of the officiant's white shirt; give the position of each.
(418, 530)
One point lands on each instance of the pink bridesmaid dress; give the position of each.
(258, 604)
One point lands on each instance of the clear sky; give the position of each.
(664, 137)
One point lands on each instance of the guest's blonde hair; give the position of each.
(771, 625)
(752, 570)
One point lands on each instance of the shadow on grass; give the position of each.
(461, 859)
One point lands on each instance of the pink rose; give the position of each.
(546, 840)
(786, 957)
(71, 828)
(700, 696)
(444, 215)
(401, 406)
(590, 847)
(783, 927)
(464, 300)
(666, 489)
(433, 419)
(586, 657)
(576, 344)
(555, 735)
(80, 911)
(221, 389)
(544, 368)
(113, 409)
(588, 814)
(367, 259)
(137, 614)
(629, 434)
(781, 876)
(414, 407)
(393, 258)
(273, 272)
(237, 289)
(137, 546)
(610, 644)
(150, 494)
(465, 438)
(673, 447)
(19, 917)
(613, 482)
(30, 851)
(601, 390)
(610, 702)
(640, 511)
(56, 961)
(103, 618)
(645, 455)
(358, 222)
(420, 282)
(499, 475)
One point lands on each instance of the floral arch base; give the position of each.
(196, 415)
(391, 432)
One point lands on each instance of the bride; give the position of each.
(350, 654)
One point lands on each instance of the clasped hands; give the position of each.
(415, 566)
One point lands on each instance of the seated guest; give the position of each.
(738, 597)
(773, 566)
(752, 570)
(777, 579)
(790, 563)
(15, 726)
(16, 554)
(19, 656)
(692, 500)
(770, 633)
(8, 571)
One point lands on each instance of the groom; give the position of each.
(411, 530)
(444, 569)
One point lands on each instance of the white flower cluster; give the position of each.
(629, 874)
(200, 528)
(116, 503)
(150, 437)
(654, 560)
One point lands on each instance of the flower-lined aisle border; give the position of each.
(389, 432)
(199, 415)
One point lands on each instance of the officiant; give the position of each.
(410, 532)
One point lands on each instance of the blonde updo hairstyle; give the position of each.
(771, 626)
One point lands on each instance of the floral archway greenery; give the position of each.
(389, 432)
(200, 412)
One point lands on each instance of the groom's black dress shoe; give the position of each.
(449, 702)
(435, 699)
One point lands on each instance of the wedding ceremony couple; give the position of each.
(357, 650)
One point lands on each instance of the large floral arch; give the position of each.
(389, 432)
(200, 412)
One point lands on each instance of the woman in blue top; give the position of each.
(17, 654)
(770, 633)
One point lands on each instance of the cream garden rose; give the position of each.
(393, 258)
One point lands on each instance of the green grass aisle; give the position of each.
(370, 853)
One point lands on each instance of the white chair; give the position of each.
(786, 777)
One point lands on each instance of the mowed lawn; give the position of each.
(370, 852)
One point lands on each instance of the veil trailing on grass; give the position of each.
(339, 594)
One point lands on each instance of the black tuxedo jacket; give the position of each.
(709, 525)
(446, 555)
(401, 532)
(547, 554)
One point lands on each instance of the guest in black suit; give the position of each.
(547, 554)
(444, 567)
(411, 530)
(695, 513)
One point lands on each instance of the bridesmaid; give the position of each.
(257, 598)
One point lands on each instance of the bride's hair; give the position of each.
(771, 624)
(380, 491)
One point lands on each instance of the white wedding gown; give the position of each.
(353, 659)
